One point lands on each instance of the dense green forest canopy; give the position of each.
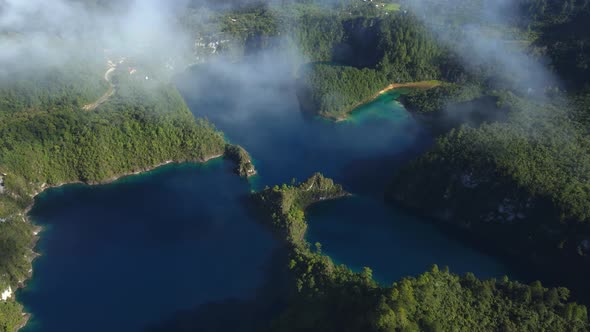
(47, 139)
(565, 39)
(525, 178)
(331, 91)
(370, 54)
(528, 151)
(331, 297)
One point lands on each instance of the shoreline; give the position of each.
(38, 229)
(410, 85)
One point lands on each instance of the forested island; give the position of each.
(512, 161)
(243, 161)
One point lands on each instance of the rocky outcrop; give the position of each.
(237, 154)
(2, 189)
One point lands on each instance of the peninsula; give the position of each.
(134, 130)
(503, 84)
(438, 300)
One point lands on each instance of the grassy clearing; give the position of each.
(392, 7)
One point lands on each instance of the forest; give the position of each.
(367, 54)
(237, 154)
(516, 164)
(368, 48)
(340, 89)
(48, 140)
(522, 176)
(329, 297)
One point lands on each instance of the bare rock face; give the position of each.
(2, 189)
(237, 154)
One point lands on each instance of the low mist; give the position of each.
(486, 39)
(39, 33)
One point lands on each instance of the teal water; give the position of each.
(361, 153)
(176, 249)
(385, 108)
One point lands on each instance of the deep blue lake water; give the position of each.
(120, 257)
(132, 254)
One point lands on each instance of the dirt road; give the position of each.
(106, 96)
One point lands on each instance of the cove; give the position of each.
(178, 247)
(364, 231)
(128, 255)
(361, 153)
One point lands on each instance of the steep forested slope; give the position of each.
(328, 297)
(47, 139)
(373, 53)
(523, 179)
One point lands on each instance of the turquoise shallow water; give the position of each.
(385, 108)
(177, 248)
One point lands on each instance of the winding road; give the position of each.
(106, 96)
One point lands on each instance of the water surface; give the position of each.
(123, 256)
(362, 231)
(361, 153)
(139, 252)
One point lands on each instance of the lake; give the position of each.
(123, 256)
(361, 153)
(177, 247)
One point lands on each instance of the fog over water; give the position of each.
(180, 242)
